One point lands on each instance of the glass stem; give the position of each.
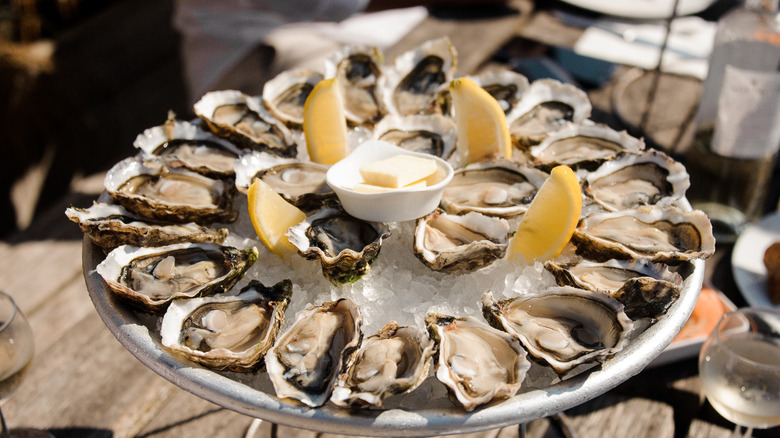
(4, 433)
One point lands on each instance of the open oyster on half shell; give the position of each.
(227, 332)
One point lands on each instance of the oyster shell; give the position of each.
(306, 359)
(433, 133)
(563, 326)
(547, 105)
(300, 183)
(184, 144)
(153, 277)
(245, 121)
(583, 146)
(476, 362)
(227, 332)
(346, 246)
(150, 189)
(393, 361)
(414, 83)
(250, 163)
(460, 243)
(506, 86)
(659, 234)
(633, 180)
(285, 94)
(111, 225)
(646, 289)
(496, 188)
(358, 70)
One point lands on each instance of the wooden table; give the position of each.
(83, 383)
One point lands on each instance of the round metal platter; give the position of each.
(253, 395)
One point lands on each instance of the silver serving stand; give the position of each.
(225, 390)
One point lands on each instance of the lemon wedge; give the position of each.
(324, 123)
(550, 220)
(482, 130)
(271, 217)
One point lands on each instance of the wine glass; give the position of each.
(16, 352)
(739, 366)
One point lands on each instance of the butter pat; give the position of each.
(370, 188)
(398, 171)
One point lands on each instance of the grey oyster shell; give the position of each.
(307, 358)
(476, 362)
(563, 326)
(460, 243)
(286, 93)
(659, 234)
(583, 146)
(358, 70)
(300, 183)
(506, 86)
(111, 225)
(431, 133)
(344, 245)
(646, 289)
(245, 121)
(227, 332)
(393, 361)
(152, 277)
(150, 189)
(250, 163)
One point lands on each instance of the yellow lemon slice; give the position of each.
(271, 216)
(550, 220)
(482, 130)
(324, 124)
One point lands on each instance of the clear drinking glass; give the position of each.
(739, 366)
(16, 352)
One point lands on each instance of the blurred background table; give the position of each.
(83, 383)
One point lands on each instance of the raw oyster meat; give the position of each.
(184, 144)
(476, 362)
(393, 361)
(663, 235)
(250, 163)
(563, 326)
(245, 121)
(460, 243)
(150, 189)
(346, 246)
(285, 94)
(432, 133)
(646, 289)
(306, 359)
(111, 225)
(227, 332)
(496, 188)
(153, 277)
(583, 146)
(506, 86)
(633, 180)
(357, 70)
(547, 105)
(300, 183)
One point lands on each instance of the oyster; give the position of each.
(300, 183)
(433, 133)
(497, 188)
(153, 277)
(393, 361)
(583, 145)
(250, 163)
(227, 332)
(285, 94)
(358, 70)
(633, 180)
(307, 358)
(414, 83)
(111, 225)
(547, 105)
(150, 189)
(346, 246)
(455, 243)
(245, 121)
(476, 362)
(646, 289)
(506, 86)
(184, 144)
(563, 326)
(662, 235)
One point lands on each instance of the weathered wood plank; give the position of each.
(616, 415)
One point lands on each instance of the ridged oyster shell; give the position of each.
(358, 71)
(506, 86)
(285, 94)
(227, 332)
(431, 133)
(395, 360)
(585, 145)
(306, 359)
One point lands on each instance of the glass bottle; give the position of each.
(738, 120)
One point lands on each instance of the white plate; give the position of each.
(642, 9)
(747, 260)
